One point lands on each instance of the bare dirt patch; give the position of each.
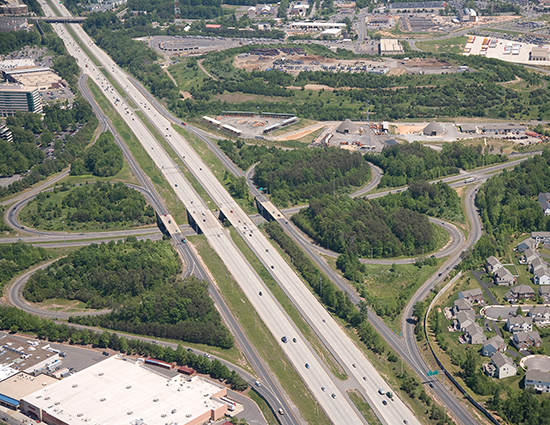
(240, 97)
(397, 71)
(299, 134)
(185, 95)
(426, 62)
(408, 129)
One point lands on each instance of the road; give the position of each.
(270, 389)
(338, 407)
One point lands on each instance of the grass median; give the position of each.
(143, 159)
(259, 335)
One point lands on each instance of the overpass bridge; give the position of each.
(59, 19)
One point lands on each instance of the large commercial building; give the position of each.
(119, 391)
(390, 46)
(16, 97)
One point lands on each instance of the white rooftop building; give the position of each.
(118, 391)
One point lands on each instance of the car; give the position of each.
(333, 395)
(260, 293)
(155, 342)
(364, 378)
(354, 365)
(281, 412)
(294, 340)
(405, 421)
(323, 388)
(431, 385)
(105, 353)
(190, 350)
(381, 391)
(307, 365)
(206, 355)
(284, 339)
(384, 402)
(257, 383)
(184, 123)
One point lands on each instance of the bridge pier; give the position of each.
(193, 223)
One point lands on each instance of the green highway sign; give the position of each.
(433, 372)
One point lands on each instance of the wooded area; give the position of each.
(102, 203)
(295, 176)
(104, 158)
(16, 320)
(405, 163)
(138, 280)
(17, 257)
(508, 205)
(365, 227)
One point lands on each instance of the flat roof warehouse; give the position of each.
(121, 391)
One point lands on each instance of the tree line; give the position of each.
(508, 205)
(339, 303)
(435, 200)
(137, 279)
(294, 176)
(16, 320)
(104, 158)
(103, 203)
(17, 257)
(405, 163)
(365, 227)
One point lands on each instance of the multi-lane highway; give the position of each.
(335, 403)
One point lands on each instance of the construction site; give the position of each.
(360, 136)
(251, 124)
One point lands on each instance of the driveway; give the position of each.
(491, 299)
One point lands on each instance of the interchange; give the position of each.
(227, 206)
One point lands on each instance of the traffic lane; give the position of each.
(329, 331)
(14, 297)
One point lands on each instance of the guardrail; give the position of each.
(440, 365)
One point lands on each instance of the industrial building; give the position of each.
(16, 97)
(121, 391)
(347, 127)
(467, 15)
(390, 46)
(539, 54)
(315, 26)
(433, 129)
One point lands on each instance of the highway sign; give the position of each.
(433, 372)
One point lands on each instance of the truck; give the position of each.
(470, 180)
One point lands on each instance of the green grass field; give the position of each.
(447, 45)
(185, 76)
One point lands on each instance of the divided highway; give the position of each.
(335, 403)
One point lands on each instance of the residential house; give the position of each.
(544, 201)
(525, 340)
(474, 334)
(544, 292)
(501, 366)
(538, 380)
(464, 319)
(492, 264)
(542, 276)
(519, 324)
(461, 304)
(540, 315)
(525, 245)
(472, 295)
(503, 277)
(539, 237)
(529, 255)
(492, 346)
(537, 264)
(519, 292)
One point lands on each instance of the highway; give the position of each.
(270, 389)
(335, 403)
